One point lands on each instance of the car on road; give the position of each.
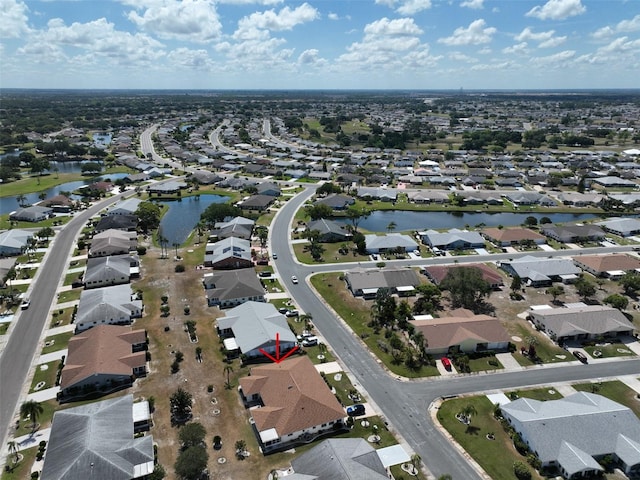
(25, 304)
(274, 256)
(446, 363)
(355, 410)
(294, 279)
(580, 356)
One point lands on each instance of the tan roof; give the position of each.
(105, 349)
(608, 263)
(512, 234)
(449, 331)
(294, 395)
(438, 272)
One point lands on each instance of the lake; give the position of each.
(418, 221)
(10, 204)
(184, 214)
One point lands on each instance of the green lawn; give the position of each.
(48, 376)
(331, 254)
(69, 295)
(616, 349)
(496, 456)
(485, 363)
(61, 317)
(547, 351)
(56, 342)
(541, 394)
(614, 390)
(22, 469)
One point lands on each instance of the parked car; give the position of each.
(310, 342)
(292, 313)
(283, 310)
(355, 410)
(446, 363)
(294, 279)
(580, 356)
(264, 274)
(304, 334)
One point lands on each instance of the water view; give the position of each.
(379, 220)
(184, 214)
(10, 204)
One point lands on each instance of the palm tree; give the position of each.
(32, 410)
(416, 460)
(228, 369)
(446, 476)
(13, 450)
(21, 198)
(468, 411)
(241, 447)
(391, 227)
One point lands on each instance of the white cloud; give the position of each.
(311, 59)
(484, 51)
(13, 19)
(188, 58)
(528, 34)
(553, 42)
(189, 20)
(285, 19)
(461, 57)
(98, 38)
(474, 34)
(473, 4)
(406, 7)
(624, 26)
(556, 60)
(506, 65)
(557, 10)
(519, 48)
(333, 16)
(399, 26)
(250, 2)
(388, 46)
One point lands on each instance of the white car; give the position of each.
(25, 304)
(294, 279)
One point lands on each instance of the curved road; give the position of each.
(405, 403)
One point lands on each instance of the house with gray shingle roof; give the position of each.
(572, 432)
(329, 230)
(624, 227)
(111, 270)
(125, 207)
(336, 201)
(574, 233)
(389, 242)
(107, 306)
(239, 227)
(97, 441)
(14, 242)
(228, 253)
(343, 458)
(234, 287)
(541, 272)
(253, 326)
(112, 242)
(367, 282)
(31, 214)
(452, 240)
(583, 322)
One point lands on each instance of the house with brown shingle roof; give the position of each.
(437, 273)
(104, 358)
(504, 237)
(462, 331)
(613, 265)
(295, 404)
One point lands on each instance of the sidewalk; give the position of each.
(50, 357)
(44, 395)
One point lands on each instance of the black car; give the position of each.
(580, 356)
(355, 410)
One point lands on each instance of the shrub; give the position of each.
(142, 250)
(179, 268)
(521, 471)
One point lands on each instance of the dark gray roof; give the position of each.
(339, 459)
(96, 441)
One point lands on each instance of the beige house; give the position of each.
(613, 265)
(295, 403)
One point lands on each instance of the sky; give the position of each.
(320, 44)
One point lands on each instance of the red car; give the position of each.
(446, 363)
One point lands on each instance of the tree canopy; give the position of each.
(191, 435)
(217, 212)
(466, 287)
(192, 462)
(148, 214)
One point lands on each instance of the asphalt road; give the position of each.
(404, 403)
(22, 346)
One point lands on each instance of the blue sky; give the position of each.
(320, 44)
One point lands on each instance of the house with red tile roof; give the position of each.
(613, 265)
(104, 358)
(292, 404)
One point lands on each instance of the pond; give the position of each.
(410, 220)
(10, 204)
(183, 215)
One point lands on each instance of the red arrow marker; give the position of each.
(277, 358)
